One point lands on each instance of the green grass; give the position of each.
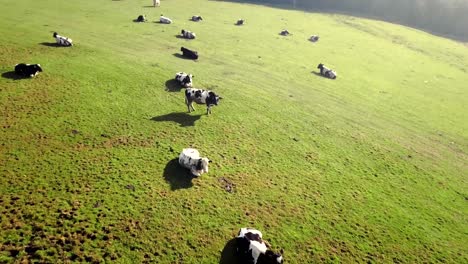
(370, 167)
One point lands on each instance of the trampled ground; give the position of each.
(370, 167)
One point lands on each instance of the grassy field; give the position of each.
(370, 167)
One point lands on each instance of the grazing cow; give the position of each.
(324, 71)
(187, 34)
(191, 54)
(141, 18)
(201, 96)
(196, 18)
(184, 79)
(190, 159)
(284, 32)
(27, 70)
(314, 38)
(240, 22)
(252, 249)
(62, 41)
(156, 3)
(165, 20)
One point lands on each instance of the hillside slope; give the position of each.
(368, 167)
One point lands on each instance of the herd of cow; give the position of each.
(251, 248)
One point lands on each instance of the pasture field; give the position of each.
(370, 167)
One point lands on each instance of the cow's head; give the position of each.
(55, 34)
(320, 66)
(187, 81)
(213, 98)
(202, 164)
(272, 258)
(200, 18)
(37, 67)
(183, 32)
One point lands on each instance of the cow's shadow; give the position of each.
(173, 86)
(50, 44)
(183, 119)
(136, 21)
(179, 36)
(177, 176)
(149, 6)
(13, 76)
(318, 74)
(228, 255)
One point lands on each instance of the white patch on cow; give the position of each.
(257, 249)
(246, 230)
(279, 259)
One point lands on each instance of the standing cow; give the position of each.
(156, 3)
(201, 96)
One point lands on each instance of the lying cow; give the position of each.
(141, 18)
(324, 71)
(314, 38)
(252, 249)
(62, 41)
(200, 96)
(165, 20)
(187, 34)
(190, 159)
(27, 70)
(196, 18)
(284, 32)
(184, 79)
(191, 54)
(240, 22)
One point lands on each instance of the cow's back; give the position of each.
(187, 155)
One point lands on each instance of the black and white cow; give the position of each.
(196, 18)
(187, 34)
(191, 54)
(190, 159)
(201, 96)
(252, 249)
(62, 41)
(240, 22)
(141, 18)
(27, 70)
(184, 79)
(284, 32)
(314, 38)
(165, 20)
(324, 71)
